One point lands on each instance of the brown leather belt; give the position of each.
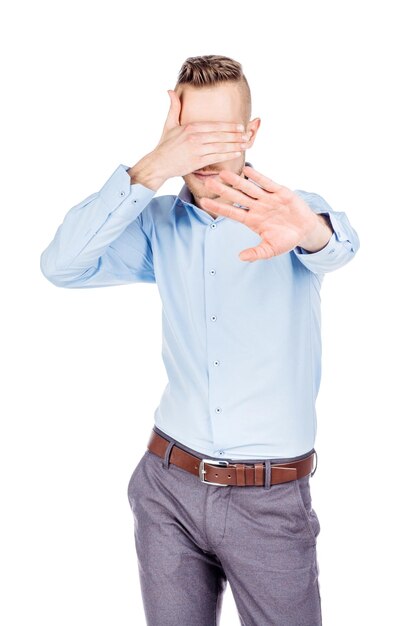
(224, 473)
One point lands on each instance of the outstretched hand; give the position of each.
(280, 217)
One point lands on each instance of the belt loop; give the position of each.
(315, 466)
(165, 462)
(267, 474)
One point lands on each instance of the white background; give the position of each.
(85, 89)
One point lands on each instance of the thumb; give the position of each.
(173, 117)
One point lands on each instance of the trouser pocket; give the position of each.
(303, 495)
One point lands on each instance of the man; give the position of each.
(222, 493)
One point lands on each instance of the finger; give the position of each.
(264, 181)
(209, 159)
(204, 127)
(173, 117)
(229, 193)
(240, 215)
(209, 148)
(223, 135)
(262, 251)
(246, 186)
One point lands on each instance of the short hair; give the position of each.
(212, 69)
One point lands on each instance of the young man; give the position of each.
(222, 493)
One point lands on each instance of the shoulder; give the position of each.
(158, 210)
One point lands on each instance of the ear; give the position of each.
(251, 129)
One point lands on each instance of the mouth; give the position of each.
(204, 176)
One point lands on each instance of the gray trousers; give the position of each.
(191, 538)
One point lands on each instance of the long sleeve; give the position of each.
(342, 246)
(101, 240)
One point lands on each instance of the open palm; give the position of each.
(277, 214)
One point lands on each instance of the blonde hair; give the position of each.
(212, 69)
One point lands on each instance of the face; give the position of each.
(217, 103)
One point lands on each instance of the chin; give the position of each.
(198, 188)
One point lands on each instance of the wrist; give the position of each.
(147, 173)
(320, 236)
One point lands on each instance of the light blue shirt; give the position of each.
(241, 340)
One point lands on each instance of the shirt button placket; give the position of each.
(213, 356)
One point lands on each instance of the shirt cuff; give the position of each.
(119, 193)
(342, 245)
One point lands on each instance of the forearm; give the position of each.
(91, 226)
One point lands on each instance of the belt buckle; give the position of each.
(202, 471)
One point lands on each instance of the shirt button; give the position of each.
(134, 200)
(218, 409)
(122, 193)
(221, 451)
(216, 362)
(213, 225)
(212, 272)
(213, 318)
